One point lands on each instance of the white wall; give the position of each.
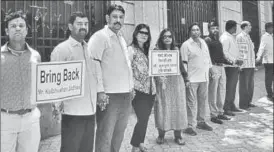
(265, 14)
(229, 10)
(152, 13)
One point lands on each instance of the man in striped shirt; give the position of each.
(247, 54)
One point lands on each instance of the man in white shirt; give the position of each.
(109, 48)
(266, 53)
(231, 52)
(196, 59)
(78, 115)
(246, 78)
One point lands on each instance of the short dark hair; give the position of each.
(73, 16)
(190, 27)
(14, 15)
(244, 24)
(230, 24)
(114, 7)
(212, 23)
(268, 25)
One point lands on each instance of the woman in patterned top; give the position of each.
(144, 85)
(170, 106)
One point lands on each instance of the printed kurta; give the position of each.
(170, 106)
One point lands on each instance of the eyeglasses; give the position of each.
(167, 36)
(142, 32)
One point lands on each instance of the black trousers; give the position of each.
(269, 79)
(246, 87)
(142, 104)
(77, 133)
(232, 76)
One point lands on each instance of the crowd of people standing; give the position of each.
(117, 80)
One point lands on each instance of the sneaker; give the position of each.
(204, 126)
(216, 120)
(190, 131)
(229, 113)
(223, 117)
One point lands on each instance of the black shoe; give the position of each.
(229, 113)
(216, 120)
(179, 141)
(270, 98)
(190, 131)
(251, 105)
(160, 140)
(223, 117)
(246, 108)
(204, 126)
(236, 110)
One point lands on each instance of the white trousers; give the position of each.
(20, 133)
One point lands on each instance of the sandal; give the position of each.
(179, 141)
(143, 149)
(160, 140)
(135, 149)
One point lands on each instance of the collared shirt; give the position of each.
(142, 81)
(111, 51)
(266, 48)
(230, 47)
(16, 78)
(216, 51)
(70, 50)
(246, 48)
(198, 60)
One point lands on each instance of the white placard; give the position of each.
(57, 81)
(164, 62)
(243, 48)
(205, 29)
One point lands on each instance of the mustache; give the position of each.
(118, 23)
(82, 30)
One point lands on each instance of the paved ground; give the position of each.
(250, 131)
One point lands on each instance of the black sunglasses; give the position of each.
(142, 32)
(167, 36)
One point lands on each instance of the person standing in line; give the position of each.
(109, 48)
(231, 52)
(170, 106)
(78, 115)
(265, 53)
(196, 59)
(216, 87)
(144, 85)
(247, 70)
(20, 119)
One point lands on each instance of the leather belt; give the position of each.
(19, 112)
(218, 64)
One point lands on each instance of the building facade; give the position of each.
(48, 24)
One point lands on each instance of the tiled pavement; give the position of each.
(251, 131)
